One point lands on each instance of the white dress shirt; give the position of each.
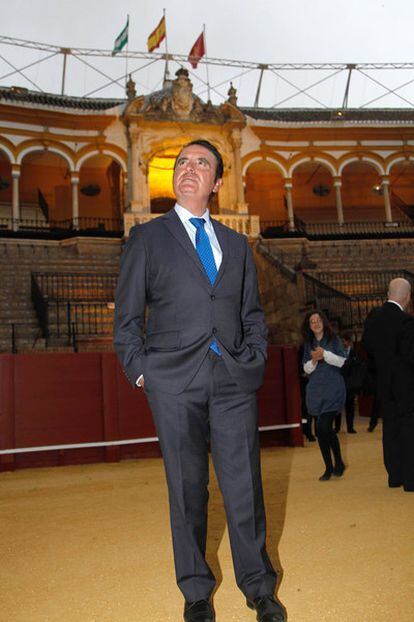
(184, 215)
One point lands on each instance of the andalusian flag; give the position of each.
(157, 36)
(122, 39)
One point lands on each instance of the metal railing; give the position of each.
(93, 224)
(359, 229)
(361, 306)
(277, 260)
(89, 318)
(321, 230)
(70, 305)
(77, 285)
(350, 296)
(13, 336)
(40, 303)
(322, 296)
(367, 283)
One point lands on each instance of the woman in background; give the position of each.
(323, 358)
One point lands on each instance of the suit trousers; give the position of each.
(212, 411)
(398, 443)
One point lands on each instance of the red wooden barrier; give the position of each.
(66, 399)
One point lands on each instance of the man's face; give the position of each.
(194, 175)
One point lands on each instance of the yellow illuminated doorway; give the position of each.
(160, 180)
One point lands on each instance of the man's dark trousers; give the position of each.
(213, 407)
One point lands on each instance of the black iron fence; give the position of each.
(16, 336)
(71, 305)
(361, 306)
(334, 230)
(348, 297)
(359, 229)
(76, 285)
(357, 283)
(337, 305)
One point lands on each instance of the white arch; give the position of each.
(376, 165)
(8, 153)
(280, 166)
(42, 148)
(399, 158)
(107, 152)
(326, 163)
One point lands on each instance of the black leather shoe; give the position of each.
(199, 611)
(394, 484)
(325, 476)
(339, 470)
(372, 427)
(267, 609)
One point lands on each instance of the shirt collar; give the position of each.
(394, 302)
(185, 215)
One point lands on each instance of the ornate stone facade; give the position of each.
(273, 159)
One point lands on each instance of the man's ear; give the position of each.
(217, 185)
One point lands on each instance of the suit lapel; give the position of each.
(176, 228)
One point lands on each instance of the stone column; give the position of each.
(74, 180)
(385, 183)
(15, 199)
(337, 182)
(146, 195)
(138, 192)
(291, 217)
(236, 140)
(126, 195)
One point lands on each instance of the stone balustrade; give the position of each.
(247, 225)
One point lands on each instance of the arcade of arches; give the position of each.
(85, 162)
(316, 195)
(49, 191)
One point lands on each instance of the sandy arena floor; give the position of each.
(92, 543)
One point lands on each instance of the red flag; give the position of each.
(197, 51)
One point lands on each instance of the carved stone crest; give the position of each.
(182, 95)
(176, 100)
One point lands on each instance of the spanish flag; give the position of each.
(157, 36)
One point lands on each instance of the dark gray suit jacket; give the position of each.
(167, 312)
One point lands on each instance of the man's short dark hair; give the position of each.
(207, 145)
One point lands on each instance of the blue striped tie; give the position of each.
(205, 252)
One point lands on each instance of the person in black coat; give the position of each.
(389, 338)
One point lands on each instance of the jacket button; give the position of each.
(214, 331)
(212, 297)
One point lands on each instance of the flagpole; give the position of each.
(166, 73)
(205, 47)
(126, 57)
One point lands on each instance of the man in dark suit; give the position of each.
(385, 338)
(200, 354)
